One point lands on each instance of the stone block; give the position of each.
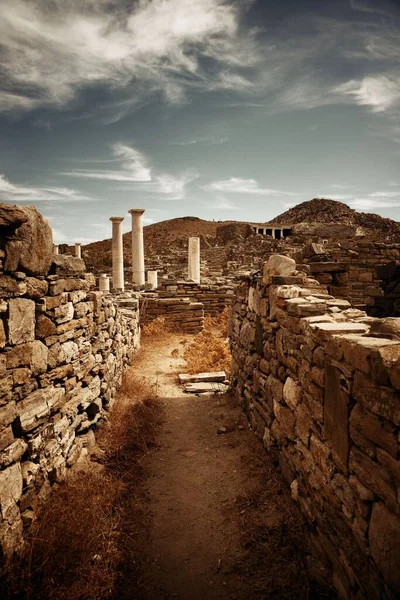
(285, 418)
(291, 393)
(64, 313)
(66, 265)
(372, 427)
(381, 400)
(37, 407)
(7, 414)
(32, 354)
(278, 266)
(384, 536)
(3, 338)
(373, 476)
(6, 438)
(10, 488)
(13, 452)
(336, 416)
(21, 321)
(36, 288)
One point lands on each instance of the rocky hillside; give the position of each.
(166, 241)
(323, 211)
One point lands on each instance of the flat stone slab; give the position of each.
(202, 377)
(341, 327)
(199, 388)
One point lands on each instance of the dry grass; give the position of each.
(157, 328)
(276, 556)
(91, 530)
(209, 351)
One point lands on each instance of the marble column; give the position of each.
(194, 259)
(117, 254)
(152, 279)
(104, 283)
(138, 276)
(78, 250)
(55, 249)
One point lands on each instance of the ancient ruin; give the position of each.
(315, 342)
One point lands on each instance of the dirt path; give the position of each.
(206, 499)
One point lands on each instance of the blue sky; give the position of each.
(217, 109)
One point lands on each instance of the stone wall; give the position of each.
(63, 348)
(320, 383)
(388, 304)
(214, 297)
(179, 313)
(362, 284)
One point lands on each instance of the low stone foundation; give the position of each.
(320, 383)
(214, 297)
(180, 313)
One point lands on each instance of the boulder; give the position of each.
(278, 265)
(386, 328)
(28, 239)
(66, 265)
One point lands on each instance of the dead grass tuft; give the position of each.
(276, 556)
(91, 531)
(209, 350)
(157, 328)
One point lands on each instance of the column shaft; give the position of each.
(194, 259)
(138, 275)
(117, 254)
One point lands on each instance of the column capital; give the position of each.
(136, 211)
(78, 244)
(116, 219)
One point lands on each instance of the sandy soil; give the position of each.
(200, 488)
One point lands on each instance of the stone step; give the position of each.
(212, 387)
(218, 376)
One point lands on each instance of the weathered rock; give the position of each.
(9, 287)
(37, 406)
(291, 393)
(66, 265)
(28, 239)
(389, 327)
(279, 266)
(197, 388)
(384, 535)
(10, 488)
(32, 354)
(218, 376)
(21, 321)
(36, 288)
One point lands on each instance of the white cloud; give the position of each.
(201, 142)
(133, 166)
(380, 92)
(50, 51)
(243, 186)
(222, 203)
(370, 7)
(372, 204)
(10, 192)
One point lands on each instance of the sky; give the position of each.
(220, 109)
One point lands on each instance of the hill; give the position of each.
(166, 241)
(324, 211)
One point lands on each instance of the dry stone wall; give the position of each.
(63, 348)
(179, 313)
(320, 383)
(360, 280)
(214, 297)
